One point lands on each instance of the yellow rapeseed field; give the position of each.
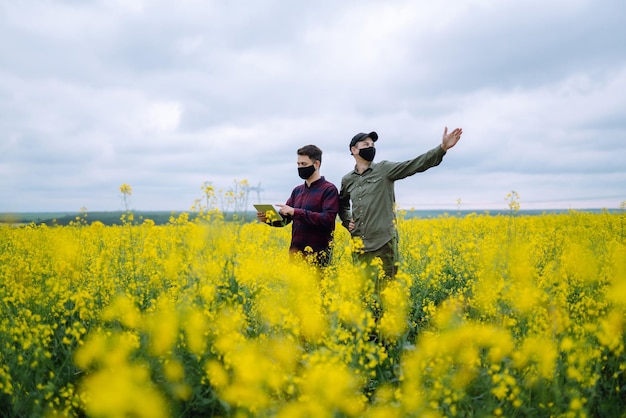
(489, 316)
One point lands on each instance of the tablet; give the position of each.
(271, 212)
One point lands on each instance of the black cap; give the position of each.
(361, 136)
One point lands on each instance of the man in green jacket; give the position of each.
(367, 198)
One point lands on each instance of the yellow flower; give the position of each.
(173, 371)
(195, 326)
(576, 404)
(216, 373)
(125, 189)
(124, 391)
(124, 310)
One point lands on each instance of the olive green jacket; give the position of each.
(369, 198)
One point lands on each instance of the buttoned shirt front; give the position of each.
(368, 198)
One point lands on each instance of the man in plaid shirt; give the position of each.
(312, 207)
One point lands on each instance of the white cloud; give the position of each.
(165, 96)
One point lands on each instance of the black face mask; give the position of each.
(306, 172)
(367, 153)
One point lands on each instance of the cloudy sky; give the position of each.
(165, 96)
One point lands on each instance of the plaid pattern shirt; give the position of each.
(315, 210)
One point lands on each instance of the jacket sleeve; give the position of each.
(432, 158)
(345, 213)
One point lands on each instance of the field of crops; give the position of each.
(489, 316)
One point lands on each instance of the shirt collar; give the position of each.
(372, 164)
(315, 183)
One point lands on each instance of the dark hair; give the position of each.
(311, 151)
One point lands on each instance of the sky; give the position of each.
(167, 96)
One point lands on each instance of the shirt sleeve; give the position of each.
(286, 219)
(432, 158)
(345, 214)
